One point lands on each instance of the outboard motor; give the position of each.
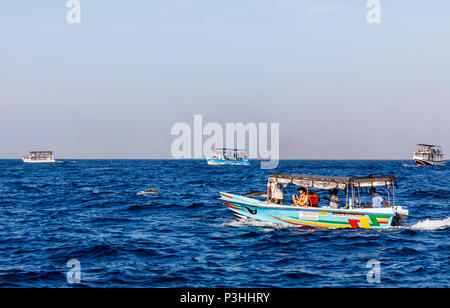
(401, 213)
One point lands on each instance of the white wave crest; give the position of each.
(254, 223)
(432, 224)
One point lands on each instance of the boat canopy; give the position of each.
(225, 149)
(331, 182)
(428, 145)
(41, 152)
(231, 153)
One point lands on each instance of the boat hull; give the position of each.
(35, 161)
(216, 162)
(248, 208)
(422, 162)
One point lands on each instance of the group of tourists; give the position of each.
(308, 198)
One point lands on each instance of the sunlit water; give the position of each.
(183, 237)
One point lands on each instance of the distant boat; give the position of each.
(429, 155)
(39, 157)
(229, 157)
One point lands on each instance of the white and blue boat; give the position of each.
(352, 215)
(229, 157)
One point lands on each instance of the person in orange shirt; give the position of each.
(314, 198)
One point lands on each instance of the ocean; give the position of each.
(90, 211)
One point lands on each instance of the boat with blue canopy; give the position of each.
(352, 215)
(229, 157)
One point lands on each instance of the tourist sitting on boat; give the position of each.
(274, 191)
(303, 200)
(377, 200)
(313, 198)
(334, 200)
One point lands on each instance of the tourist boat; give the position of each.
(39, 157)
(352, 215)
(429, 155)
(229, 157)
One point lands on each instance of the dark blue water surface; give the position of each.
(89, 210)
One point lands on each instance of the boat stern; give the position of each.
(401, 213)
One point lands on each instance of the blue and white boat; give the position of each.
(352, 215)
(229, 157)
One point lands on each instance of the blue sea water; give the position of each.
(89, 210)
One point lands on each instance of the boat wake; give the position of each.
(432, 224)
(106, 192)
(425, 225)
(254, 223)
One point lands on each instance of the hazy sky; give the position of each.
(113, 86)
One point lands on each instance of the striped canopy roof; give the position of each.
(330, 182)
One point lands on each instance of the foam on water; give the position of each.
(432, 224)
(408, 165)
(254, 223)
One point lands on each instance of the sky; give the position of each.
(114, 85)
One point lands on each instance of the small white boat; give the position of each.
(39, 157)
(429, 155)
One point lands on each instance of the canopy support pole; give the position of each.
(393, 194)
(389, 193)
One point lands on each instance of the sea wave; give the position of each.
(428, 224)
(254, 223)
(408, 165)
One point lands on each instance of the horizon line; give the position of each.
(258, 159)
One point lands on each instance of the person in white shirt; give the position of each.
(274, 191)
(377, 200)
(334, 199)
